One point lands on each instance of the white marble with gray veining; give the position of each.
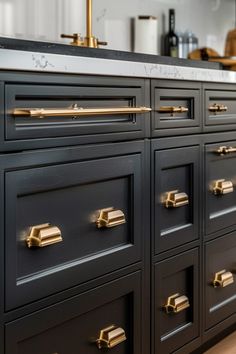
(44, 62)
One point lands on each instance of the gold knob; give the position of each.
(172, 109)
(218, 108)
(176, 303)
(43, 235)
(224, 150)
(110, 337)
(174, 199)
(223, 279)
(222, 187)
(110, 217)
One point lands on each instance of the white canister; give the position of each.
(146, 28)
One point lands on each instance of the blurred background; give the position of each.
(209, 20)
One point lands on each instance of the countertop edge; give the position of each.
(57, 63)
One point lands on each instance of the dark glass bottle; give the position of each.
(171, 39)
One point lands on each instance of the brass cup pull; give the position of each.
(110, 337)
(43, 235)
(223, 279)
(175, 199)
(224, 150)
(75, 111)
(172, 109)
(176, 303)
(110, 217)
(218, 108)
(222, 187)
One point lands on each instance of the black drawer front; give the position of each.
(91, 128)
(220, 289)
(220, 109)
(74, 326)
(70, 197)
(177, 171)
(169, 95)
(177, 275)
(220, 187)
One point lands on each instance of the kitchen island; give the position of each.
(118, 208)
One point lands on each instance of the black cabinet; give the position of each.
(117, 224)
(86, 215)
(107, 317)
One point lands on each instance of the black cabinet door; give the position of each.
(70, 197)
(74, 326)
(220, 281)
(220, 107)
(24, 129)
(220, 187)
(174, 327)
(176, 197)
(176, 106)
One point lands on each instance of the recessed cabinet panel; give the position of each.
(35, 111)
(220, 279)
(176, 184)
(220, 109)
(176, 302)
(176, 108)
(69, 223)
(107, 318)
(220, 186)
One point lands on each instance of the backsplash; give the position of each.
(210, 20)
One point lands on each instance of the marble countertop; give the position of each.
(26, 55)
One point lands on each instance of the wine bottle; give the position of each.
(171, 39)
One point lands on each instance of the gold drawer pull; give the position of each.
(110, 217)
(172, 109)
(176, 303)
(175, 199)
(218, 108)
(75, 111)
(43, 235)
(110, 337)
(223, 279)
(222, 187)
(224, 150)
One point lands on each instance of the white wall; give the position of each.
(46, 19)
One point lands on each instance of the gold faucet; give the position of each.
(89, 40)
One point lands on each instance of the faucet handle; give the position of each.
(77, 39)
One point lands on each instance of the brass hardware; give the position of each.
(173, 109)
(224, 150)
(43, 235)
(76, 111)
(175, 199)
(110, 217)
(89, 40)
(218, 108)
(222, 187)
(223, 279)
(110, 337)
(176, 303)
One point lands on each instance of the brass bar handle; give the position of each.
(76, 111)
(223, 187)
(176, 303)
(174, 199)
(110, 217)
(110, 337)
(43, 235)
(224, 150)
(222, 279)
(172, 109)
(218, 108)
